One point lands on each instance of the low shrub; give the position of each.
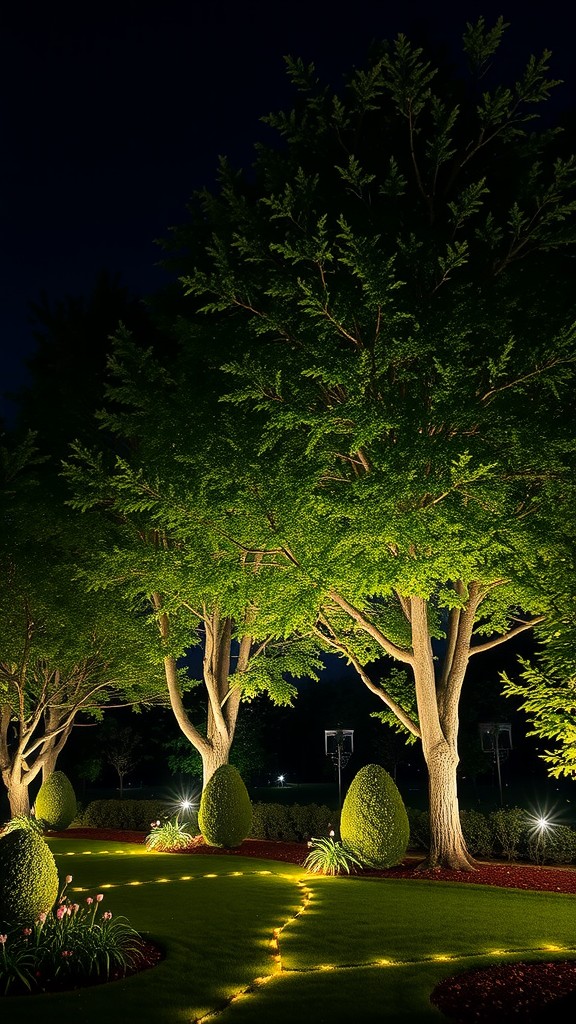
(419, 822)
(132, 815)
(477, 833)
(509, 827)
(291, 823)
(555, 844)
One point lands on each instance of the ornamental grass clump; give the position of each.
(72, 945)
(23, 821)
(329, 857)
(169, 836)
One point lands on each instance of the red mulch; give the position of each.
(524, 993)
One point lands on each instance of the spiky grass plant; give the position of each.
(329, 857)
(169, 836)
(23, 821)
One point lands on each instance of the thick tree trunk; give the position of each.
(437, 702)
(447, 845)
(17, 793)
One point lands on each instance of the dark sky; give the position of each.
(113, 114)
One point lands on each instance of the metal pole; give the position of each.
(339, 773)
(497, 750)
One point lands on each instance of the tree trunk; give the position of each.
(447, 845)
(17, 793)
(223, 700)
(437, 700)
(49, 764)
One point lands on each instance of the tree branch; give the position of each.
(496, 641)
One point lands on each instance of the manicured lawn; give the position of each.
(351, 948)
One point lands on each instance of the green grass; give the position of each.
(365, 949)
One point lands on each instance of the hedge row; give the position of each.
(508, 833)
(294, 823)
(134, 815)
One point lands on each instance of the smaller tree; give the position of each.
(123, 749)
(65, 653)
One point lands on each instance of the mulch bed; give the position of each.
(523, 992)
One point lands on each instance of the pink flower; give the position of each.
(3, 939)
(75, 907)
(106, 915)
(89, 900)
(42, 917)
(66, 952)
(26, 931)
(68, 879)
(60, 913)
(99, 897)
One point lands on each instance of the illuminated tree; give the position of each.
(65, 654)
(187, 589)
(396, 274)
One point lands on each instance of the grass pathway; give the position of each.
(259, 941)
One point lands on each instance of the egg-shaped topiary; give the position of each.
(374, 823)
(28, 877)
(56, 802)
(225, 815)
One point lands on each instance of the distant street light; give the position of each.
(339, 746)
(281, 779)
(496, 738)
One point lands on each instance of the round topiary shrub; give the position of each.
(56, 802)
(28, 877)
(225, 815)
(374, 823)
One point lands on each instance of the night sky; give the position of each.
(114, 114)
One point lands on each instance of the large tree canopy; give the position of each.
(168, 560)
(395, 273)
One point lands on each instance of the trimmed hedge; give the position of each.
(374, 825)
(133, 815)
(56, 802)
(225, 815)
(292, 823)
(508, 833)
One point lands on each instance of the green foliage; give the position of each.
(327, 856)
(132, 815)
(548, 693)
(294, 823)
(553, 844)
(510, 830)
(28, 877)
(419, 822)
(374, 824)
(225, 815)
(477, 833)
(56, 802)
(64, 650)
(68, 946)
(23, 821)
(170, 835)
